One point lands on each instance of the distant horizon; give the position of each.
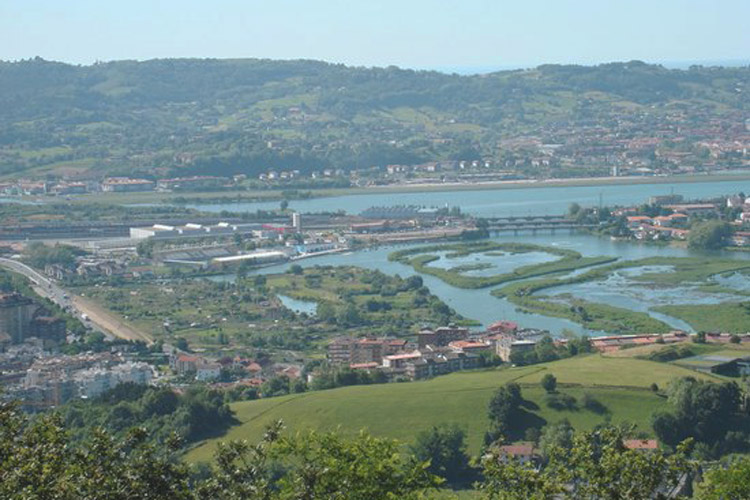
(468, 36)
(463, 70)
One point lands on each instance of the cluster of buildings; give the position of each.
(435, 352)
(633, 144)
(526, 453)
(22, 318)
(103, 265)
(114, 185)
(199, 367)
(193, 183)
(678, 215)
(275, 243)
(242, 371)
(452, 348)
(39, 379)
(191, 230)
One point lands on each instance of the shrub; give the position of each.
(561, 402)
(592, 404)
(549, 383)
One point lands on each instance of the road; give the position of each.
(98, 318)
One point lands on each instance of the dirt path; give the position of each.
(109, 321)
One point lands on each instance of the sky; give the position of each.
(425, 34)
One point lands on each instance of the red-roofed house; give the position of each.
(641, 444)
(468, 346)
(510, 327)
(184, 363)
(520, 452)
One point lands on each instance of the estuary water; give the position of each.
(550, 200)
(479, 304)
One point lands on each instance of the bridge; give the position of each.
(534, 223)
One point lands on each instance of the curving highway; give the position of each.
(91, 314)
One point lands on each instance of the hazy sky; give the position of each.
(410, 33)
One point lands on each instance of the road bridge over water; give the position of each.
(534, 223)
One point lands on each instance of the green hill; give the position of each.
(401, 410)
(205, 116)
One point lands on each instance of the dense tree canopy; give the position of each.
(710, 235)
(711, 413)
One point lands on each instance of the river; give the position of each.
(549, 200)
(478, 304)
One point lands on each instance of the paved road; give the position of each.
(97, 318)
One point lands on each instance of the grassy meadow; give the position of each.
(400, 410)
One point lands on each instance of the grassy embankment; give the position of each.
(400, 411)
(729, 316)
(420, 257)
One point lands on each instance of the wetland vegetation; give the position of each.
(680, 283)
(420, 259)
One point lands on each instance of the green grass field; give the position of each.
(732, 317)
(401, 410)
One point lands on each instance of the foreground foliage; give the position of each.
(596, 466)
(38, 460)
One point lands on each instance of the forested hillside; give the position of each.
(190, 116)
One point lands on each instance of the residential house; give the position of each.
(469, 346)
(507, 327)
(636, 221)
(741, 238)
(507, 346)
(184, 363)
(441, 336)
(205, 371)
(641, 444)
(524, 453)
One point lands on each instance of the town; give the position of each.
(225, 277)
(39, 369)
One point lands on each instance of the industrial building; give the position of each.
(258, 257)
(162, 231)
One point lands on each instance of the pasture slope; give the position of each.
(401, 410)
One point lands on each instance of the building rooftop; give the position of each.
(641, 444)
(518, 450)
